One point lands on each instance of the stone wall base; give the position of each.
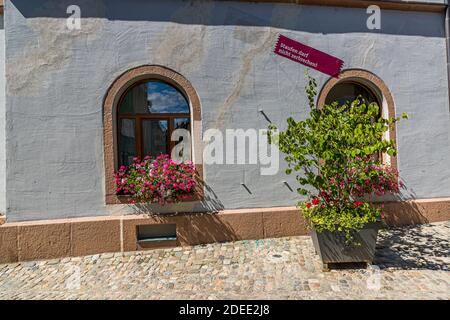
(51, 239)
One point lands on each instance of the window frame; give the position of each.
(140, 118)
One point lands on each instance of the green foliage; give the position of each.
(333, 153)
(333, 218)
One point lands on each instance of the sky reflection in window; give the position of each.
(164, 98)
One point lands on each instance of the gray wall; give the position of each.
(57, 79)
(2, 120)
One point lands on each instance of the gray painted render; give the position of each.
(57, 80)
(2, 120)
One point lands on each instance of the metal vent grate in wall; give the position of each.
(156, 233)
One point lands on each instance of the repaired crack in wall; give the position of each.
(263, 45)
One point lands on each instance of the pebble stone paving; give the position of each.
(411, 263)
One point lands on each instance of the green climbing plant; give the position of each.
(335, 156)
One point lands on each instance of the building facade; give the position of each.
(64, 82)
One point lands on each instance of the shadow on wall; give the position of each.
(402, 209)
(196, 227)
(199, 228)
(312, 19)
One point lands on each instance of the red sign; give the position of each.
(308, 56)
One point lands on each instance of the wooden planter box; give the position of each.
(332, 249)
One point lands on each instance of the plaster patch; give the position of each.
(51, 52)
(180, 47)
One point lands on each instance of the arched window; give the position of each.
(353, 83)
(147, 114)
(141, 109)
(348, 91)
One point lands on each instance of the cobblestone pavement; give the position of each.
(411, 263)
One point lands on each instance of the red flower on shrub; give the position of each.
(315, 201)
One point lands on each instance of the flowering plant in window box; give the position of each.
(332, 152)
(160, 180)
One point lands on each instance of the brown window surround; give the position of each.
(370, 81)
(111, 101)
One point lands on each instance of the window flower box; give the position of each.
(160, 180)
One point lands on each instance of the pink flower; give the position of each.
(161, 180)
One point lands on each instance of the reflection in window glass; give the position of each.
(347, 92)
(163, 98)
(127, 141)
(181, 123)
(154, 137)
(148, 113)
(153, 97)
(183, 147)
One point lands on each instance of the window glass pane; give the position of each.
(182, 123)
(153, 97)
(127, 141)
(164, 98)
(154, 137)
(135, 101)
(347, 92)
